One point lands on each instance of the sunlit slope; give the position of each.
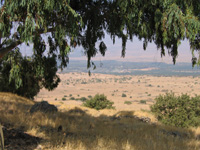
(84, 128)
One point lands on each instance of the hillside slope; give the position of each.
(84, 128)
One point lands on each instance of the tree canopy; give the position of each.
(58, 26)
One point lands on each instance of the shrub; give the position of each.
(143, 102)
(83, 82)
(70, 95)
(72, 98)
(128, 102)
(123, 95)
(83, 99)
(99, 102)
(64, 99)
(180, 111)
(89, 96)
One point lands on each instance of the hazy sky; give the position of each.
(134, 52)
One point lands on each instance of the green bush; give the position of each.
(83, 99)
(72, 98)
(123, 95)
(180, 111)
(128, 102)
(143, 102)
(64, 99)
(89, 96)
(99, 102)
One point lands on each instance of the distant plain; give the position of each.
(139, 91)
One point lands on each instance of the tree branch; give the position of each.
(5, 50)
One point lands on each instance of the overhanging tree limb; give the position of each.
(5, 50)
(84, 23)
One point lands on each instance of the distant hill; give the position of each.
(134, 68)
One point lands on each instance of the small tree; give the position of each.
(99, 102)
(180, 111)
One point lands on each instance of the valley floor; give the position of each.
(139, 91)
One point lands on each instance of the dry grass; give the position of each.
(85, 129)
(136, 88)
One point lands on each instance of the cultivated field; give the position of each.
(138, 92)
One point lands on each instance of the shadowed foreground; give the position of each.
(82, 128)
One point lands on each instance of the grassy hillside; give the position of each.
(87, 129)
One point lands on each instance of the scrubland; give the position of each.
(127, 92)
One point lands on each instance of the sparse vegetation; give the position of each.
(83, 99)
(128, 102)
(143, 102)
(64, 99)
(165, 90)
(99, 102)
(180, 111)
(83, 82)
(89, 96)
(123, 95)
(72, 98)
